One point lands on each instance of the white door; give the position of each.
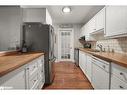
(66, 45)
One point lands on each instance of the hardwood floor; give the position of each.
(68, 76)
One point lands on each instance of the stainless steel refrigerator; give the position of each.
(40, 37)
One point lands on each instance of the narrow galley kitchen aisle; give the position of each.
(68, 76)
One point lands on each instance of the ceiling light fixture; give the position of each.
(66, 9)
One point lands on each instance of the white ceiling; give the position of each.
(79, 14)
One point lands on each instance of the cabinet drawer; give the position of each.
(116, 83)
(33, 67)
(40, 61)
(33, 81)
(101, 63)
(119, 71)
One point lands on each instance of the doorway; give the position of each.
(66, 45)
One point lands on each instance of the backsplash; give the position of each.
(118, 45)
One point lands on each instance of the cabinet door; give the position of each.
(48, 18)
(83, 30)
(34, 15)
(91, 25)
(89, 68)
(100, 78)
(100, 19)
(82, 61)
(116, 22)
(14, 80)
(116, 83)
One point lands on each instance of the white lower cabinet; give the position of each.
(100, 78)
(89, 67)
(95, 69)
(100, 74)
(85, 64)
(35, 74)
(116, 83)
(14, 80)
(82, 61)
(118, 77)
(29, 76)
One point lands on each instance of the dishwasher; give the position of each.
(100, 74)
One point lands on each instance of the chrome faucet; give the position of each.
(100, 46)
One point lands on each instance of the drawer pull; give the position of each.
(121, 73)
(121, 87)
(27, 68)
(34, 66)
(104, 66)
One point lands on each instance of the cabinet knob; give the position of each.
(121, 73)
(34, 80)
(34, 66)
(27, 68)
(121, 87)
(104, 66)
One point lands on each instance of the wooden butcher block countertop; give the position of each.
(117, 58)
(10, 62)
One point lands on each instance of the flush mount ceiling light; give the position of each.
(66, 9)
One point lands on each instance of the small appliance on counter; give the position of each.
(87, 45)
(82, 40)
(24, 48)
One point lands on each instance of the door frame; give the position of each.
(59, 46)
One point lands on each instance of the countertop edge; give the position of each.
(123, 64)
(18, 66)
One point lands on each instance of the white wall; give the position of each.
(10, 30)
(76, 28)
(34, 15)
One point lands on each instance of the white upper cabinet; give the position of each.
(92, 25)
(100, 20)
(82, 31)
(97, 22)
(37, 15)
(34, 15)
(48, 18)
(116, 20)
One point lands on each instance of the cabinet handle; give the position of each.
(121, 87)
(27, 68)
(34, 66)
(104, 66)
(121, 73)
